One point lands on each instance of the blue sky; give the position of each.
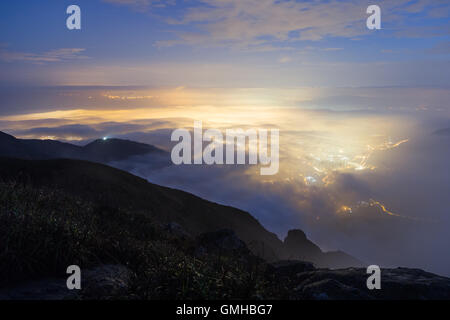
(292, 40)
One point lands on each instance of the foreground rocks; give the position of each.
(350, 284)
(285, 279)
(103, 282)
(106, 282)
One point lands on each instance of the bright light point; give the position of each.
(310, 180)
(105, 138)
(345, 209)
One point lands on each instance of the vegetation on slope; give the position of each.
(42, 231)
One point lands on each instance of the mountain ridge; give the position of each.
(100, 150)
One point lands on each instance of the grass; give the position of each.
(42, 231)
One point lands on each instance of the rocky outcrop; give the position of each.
(105, 282)
(286, 279)
(220, 242)
(288, 268)
(102, 282)
(298, 247)
(350, 284)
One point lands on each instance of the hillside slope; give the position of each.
(125, 254)
(114, 188)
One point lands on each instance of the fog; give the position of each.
(410, 181)
(373, 183)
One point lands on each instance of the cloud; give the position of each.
(333, 49)
(56, 55)
(58, 102)
(133, 3)
(285, 59)
(440, 48)
(134, 130)
(411, 181)
(141, 5)
(65, 132)
(418, 31)
(254, 23)
(49, 56)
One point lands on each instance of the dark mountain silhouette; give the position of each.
(117, 149)
(298, 247)
(98, 151)
(297, 243)
(111, 187)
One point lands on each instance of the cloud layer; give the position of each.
(399, 212)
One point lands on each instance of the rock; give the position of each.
(405, 283)
(44, 289)
(330, 289)
(222, 241)
(103, 282)
(396, 284)
(288, 268)
(298, 247)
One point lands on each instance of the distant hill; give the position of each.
(114, 188)
(100, 150)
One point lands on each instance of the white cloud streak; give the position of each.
(56, 55)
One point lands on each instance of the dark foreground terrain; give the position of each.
(136, 240)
